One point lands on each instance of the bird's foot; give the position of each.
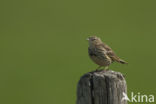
(97, 70)
(106, 68)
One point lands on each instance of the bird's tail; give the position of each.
(122, 61)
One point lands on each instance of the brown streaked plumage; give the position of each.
(101, 53)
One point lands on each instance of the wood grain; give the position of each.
(101, 87)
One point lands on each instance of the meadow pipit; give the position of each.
(101, 53)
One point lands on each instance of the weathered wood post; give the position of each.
(101, 87)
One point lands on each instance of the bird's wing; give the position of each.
(110, 53)
(99, 52)
(113, 56)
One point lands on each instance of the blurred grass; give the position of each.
(44, 51)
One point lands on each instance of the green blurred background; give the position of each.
(44, 49)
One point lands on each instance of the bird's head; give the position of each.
(94, 40)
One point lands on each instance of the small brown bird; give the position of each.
(101, 53)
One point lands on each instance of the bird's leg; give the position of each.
(106, 68)
(98, 68)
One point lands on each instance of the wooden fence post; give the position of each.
(101, 87)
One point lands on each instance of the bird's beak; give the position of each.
(87, 39)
